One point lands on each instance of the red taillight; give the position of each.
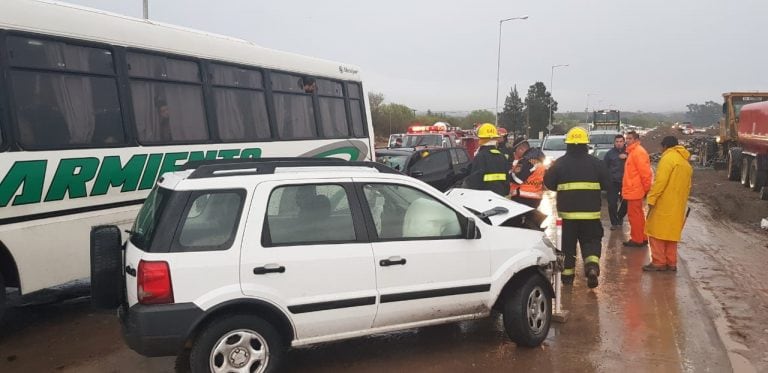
(154, 283)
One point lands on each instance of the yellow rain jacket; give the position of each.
(669, 195)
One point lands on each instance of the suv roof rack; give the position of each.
(264, 166)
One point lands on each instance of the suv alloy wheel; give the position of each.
(528, 312)
(237, 343)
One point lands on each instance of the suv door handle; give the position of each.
(269, 268)
(392, 261)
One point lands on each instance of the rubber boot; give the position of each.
(567, 279)
(592, 271)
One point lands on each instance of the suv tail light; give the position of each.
(154, 283)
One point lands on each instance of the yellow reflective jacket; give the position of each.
(669, 195)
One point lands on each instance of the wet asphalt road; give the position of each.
(633, 321)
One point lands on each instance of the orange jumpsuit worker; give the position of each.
(667, 203)
(635, 185)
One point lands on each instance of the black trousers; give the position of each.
(616, 212)
(588, 234)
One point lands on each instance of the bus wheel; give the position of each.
(107, 285)
(3, 298)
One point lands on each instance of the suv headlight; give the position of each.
(547, 241)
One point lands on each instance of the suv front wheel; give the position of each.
(528, 312)
(237, 343)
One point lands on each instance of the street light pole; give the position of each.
(146, 9)
(498, 64)
(586, 109)
(552, 90)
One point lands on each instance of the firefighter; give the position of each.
(578, 179)
(488, 170)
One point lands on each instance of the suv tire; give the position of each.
(237, 336)
(107, 282)
(528, 312)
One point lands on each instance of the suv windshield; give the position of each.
(554, 143)
(146, 221)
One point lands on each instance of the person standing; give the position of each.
(635, 185)
(614, 161)
(489, 168)
(527, 181)
(667, 202)
(578, 179)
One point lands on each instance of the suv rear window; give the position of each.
(146, 222)
(210, 221)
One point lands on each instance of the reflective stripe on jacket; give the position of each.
(578, 178)
(533, 187)
(488, 171)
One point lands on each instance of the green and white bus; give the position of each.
(95, 106)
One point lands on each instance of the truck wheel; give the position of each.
(734, 161)
(107, 283)
(745, 166)
(756, 177)
(528, 312)
(240, 343)
(3, 299)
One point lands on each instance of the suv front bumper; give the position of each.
(158, 330)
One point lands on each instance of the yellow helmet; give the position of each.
(577, 135)
(487, 131)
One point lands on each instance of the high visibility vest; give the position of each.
(533, 187)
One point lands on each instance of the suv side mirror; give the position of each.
(471, 232)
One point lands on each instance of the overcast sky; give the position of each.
(648, 55)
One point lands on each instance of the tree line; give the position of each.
(527, 116)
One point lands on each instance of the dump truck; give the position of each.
(743, 140)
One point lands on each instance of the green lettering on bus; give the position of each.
(150, 172)
(251, 153)
(352, 151)
(29, 173)
(228, 153)
(199, 156)
(113, 174)
(70, 177)
(169, 162)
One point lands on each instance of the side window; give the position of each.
(356, 108)
(462, 156)
(308, 214)
(294, 111)
(167, 99)
(401, 212)
(433, 161)
(65, 94)
(241, 105)
(332, 110)
(210, 221)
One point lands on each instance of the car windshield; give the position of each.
(602, 138)
(396, 162)
(146, 221)
(534, 143)
(411, 141)
(554, 143)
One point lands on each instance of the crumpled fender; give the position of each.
(538, 259)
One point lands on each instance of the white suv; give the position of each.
(231, 264)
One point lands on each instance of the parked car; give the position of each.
(602, 138)
(553, 148)
(441, 168)
(229, 264)
(534, 143)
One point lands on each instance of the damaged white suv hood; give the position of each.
(483, 200)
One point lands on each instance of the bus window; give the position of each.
(356, 107)
(332, 111)
(241, 106)
(166, 112)
(295, 114)
(68, 100)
